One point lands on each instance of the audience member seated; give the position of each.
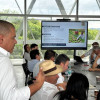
(94, 54)
(96, 64)
(27, 52)
(91, 52)
(35, 56)
(49, 55)
(49, 89)
(63, 61)
(76, 89)
(34, 46)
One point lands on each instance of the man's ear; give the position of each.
(52, 58)
(1, 39)
(62, 64)
(36, 56)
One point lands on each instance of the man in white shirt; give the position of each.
(81, 36)
(96, 64)
(91, 53)
(49, 88)
(8, 87)
(63, 61)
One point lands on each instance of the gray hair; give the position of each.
(5, 27)
(96, 48)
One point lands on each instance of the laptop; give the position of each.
(78, 59)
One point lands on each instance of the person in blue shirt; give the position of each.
(35, 58)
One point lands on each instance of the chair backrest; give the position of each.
(28, 74)
(98, 95)
(25, 68)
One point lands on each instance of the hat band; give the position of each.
(50, 70)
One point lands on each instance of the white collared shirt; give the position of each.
(89, 54)
(98, 61)
(8, 85)
(60, 79)
(47, 92)
(27, 56)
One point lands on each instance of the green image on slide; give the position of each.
(76, 35)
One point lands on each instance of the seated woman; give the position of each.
(76, 89)
(26, 52)
(96, 64)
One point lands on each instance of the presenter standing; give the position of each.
(8, 87)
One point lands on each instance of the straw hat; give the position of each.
(50, 68)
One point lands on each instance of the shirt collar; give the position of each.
(49, 84)
(4, 52)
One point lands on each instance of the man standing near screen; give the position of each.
(8, 87)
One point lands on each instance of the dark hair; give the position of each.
(61, 58)
(33, 54)
(77, 88)
(49, 53)
(25, 47)
(95, 43)
(33, 45)
(98, 95)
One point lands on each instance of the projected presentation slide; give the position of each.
(64, 34)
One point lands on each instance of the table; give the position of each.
(83, 68)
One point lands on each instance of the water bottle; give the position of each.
(69, 71)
